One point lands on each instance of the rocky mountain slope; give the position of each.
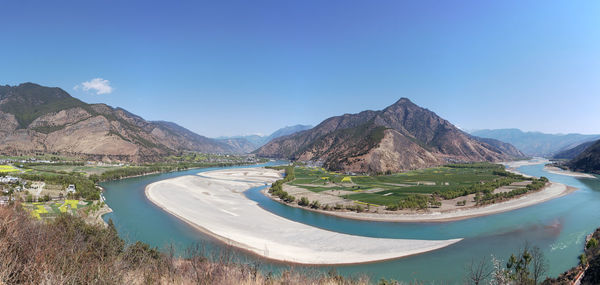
(35, 118)
(400, 137)
(506, 148)
(536, 143)
(574, 151)
(588, 160)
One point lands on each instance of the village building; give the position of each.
(9, 179)
(71, 189)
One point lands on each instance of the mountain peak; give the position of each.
(402, 136)
(403, 101)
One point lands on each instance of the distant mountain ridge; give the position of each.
(400, 137)
(35, 118)
(588, 160)
(574, 151)
(536, 143)
(252, 142)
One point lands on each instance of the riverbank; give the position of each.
(552, 191)
(556, 170)
(449, 211)
(214, 203)
(511, 166)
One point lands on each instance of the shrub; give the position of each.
(303, 201)
(315, 204)
(592, 243)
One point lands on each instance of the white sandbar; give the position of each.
(214, 203)
(556, 170)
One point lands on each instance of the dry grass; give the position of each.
(69, 251)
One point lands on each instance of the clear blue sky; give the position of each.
(242, 67)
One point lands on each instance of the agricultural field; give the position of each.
(445, 182)
(86, 169)
(51, 209)
(8, 169)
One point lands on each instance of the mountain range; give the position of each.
(35, 118)
(250, 143)
(537, 143)
(400, 137)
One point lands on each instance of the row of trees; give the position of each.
(414, 201)
(490, 197)
(124, 172)
(277, 187)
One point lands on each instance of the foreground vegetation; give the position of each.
(69, 251)
(66, 250)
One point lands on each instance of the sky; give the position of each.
(229, 67)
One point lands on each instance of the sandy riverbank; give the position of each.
(214, 203)
(556, 170)
(511, 166)
(552, 191)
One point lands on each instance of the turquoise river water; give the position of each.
(558, 227)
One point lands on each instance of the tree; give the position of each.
(592, 243)
(478, 271)
(499, 273)
(539, 264)
(518, 266)
(303, 201)
(528, 266)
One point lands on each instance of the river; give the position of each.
(558, 227)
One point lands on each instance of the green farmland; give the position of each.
(44, 210)
(83, 169)
(7, 169)
(423, 187)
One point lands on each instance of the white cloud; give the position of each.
(98, 85)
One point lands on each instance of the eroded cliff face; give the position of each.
(403, 136)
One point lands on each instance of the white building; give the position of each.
(9, 179)
(71, 189)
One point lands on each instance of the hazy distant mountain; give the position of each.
(574, 151)
(506, 148)
(285, 131)
(536, 143)
(252, 142)
(240, 145)
(400, 137)
(35, 118)
(588, 160)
